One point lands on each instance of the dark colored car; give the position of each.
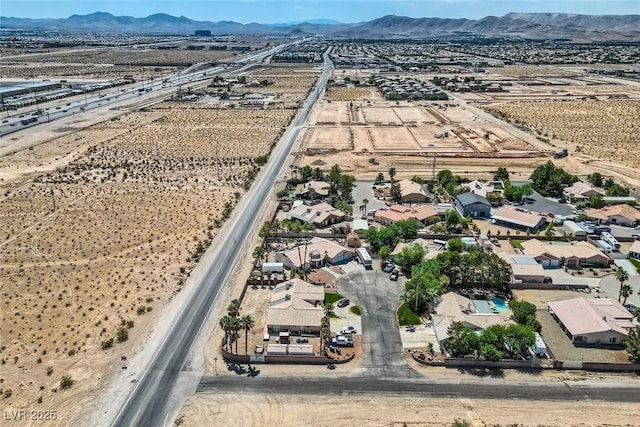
(394, 275)
(343, 303)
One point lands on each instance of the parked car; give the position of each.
(302, 340)
(388, 267)
(348, 330)
(394, 275)
(343, 303)
(342, 341)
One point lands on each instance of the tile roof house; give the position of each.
(617, 214)
(556, 254)
(518, 218)
(473, 205)
(582, 191)
(321, 189)
(592, 320)
(320, 215)
(524, 268)
(482, 188)
(412, 192)
(316, 251)
(397, 213)
(452, 307)
(296, 306)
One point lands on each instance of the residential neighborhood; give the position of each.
(458, 258)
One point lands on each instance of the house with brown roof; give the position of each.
(412, 192)
(296, 306)
(582, 191)
(617, 214)
(518, 218)
(570, 254)
(314, 254)
(592, 320)
(320, 215)
(452, 307)
(524, 268)
(319, 188)
(397, 213)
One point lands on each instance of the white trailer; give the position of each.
(365, 258)
(272, 267)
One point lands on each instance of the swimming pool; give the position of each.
(500, 304)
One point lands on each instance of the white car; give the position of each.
(348, 330)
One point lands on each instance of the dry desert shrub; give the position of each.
(346, 94)
(607, 130)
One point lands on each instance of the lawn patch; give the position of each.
(635, 263)
(407, 317)
(516, 243)
(355, 310)
(332, 298)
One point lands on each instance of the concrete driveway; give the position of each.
(378, 298)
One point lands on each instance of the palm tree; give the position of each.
(636, 312)
(225, 325)
(380, 178)
(392, 174)
(363, 209)
(365, 202)
(258, 253)
(235, 327)
(328, 310)
(625, 292)
(621, 276)
(234, 308)
(247, 322)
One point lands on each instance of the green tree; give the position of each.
(548, 233)
(247, 322)
(595, 179)
(365, 202)
(462, 340)
(384, 253)
(452, 218)
(407, 228)
(409, 256)
(395, 193)
(617, 190)
(258, 253)
(423, 286)
(306, 172)
(380, 178)
(444, 177)
(494, 198)
(489, 352)
(225, 325)
(518, 339)
(632, 345)
(521, 310)
(515, 193)
(502, 174)
(456, 245)
(549, 180)
(622, 276)
(233, 310)
(392, 174)
(596, 202)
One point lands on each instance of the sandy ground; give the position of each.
(288, 410)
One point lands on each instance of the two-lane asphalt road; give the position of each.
(371, 385)
(146, 406)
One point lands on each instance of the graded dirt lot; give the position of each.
(291, 410)
(606, 130)
(100, 229)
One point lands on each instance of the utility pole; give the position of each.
(434, 167)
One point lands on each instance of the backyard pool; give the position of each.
(500, 304)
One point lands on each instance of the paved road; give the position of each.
(479, 389)
(381, 343)
(147, 405)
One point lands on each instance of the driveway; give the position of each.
(364, 190)
(378, 298)
(611, 287)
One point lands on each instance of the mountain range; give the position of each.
(513, 25)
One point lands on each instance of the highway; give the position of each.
(147, 404)
(141, 92)
(371, 385)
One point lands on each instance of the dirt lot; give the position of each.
(605, 130)
(289, 410)
(137, 199)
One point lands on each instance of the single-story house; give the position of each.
(519, 218)
(473, 205)
(397, 213)
(556, 254)
(524, 268)
(314, 254)
(617, 214)
(482, 188)
(320, 188)
(296, 306)
(452, 307)
(320, 215)
(634, 252)
(412, 192)
(582, 191)
(592, 320)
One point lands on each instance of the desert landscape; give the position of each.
(103, 225)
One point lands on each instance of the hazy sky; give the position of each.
(272, 11)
